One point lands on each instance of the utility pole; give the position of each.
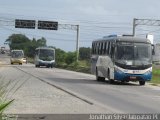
(77, 43)
(148, 22)
(72, 27)
(134, 26)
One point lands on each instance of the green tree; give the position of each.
(84, 53)
(71, 57)
(41, 42)
(60, 56)
(34, 44)
(18, 41)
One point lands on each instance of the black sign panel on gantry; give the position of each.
(25, 24)
(48, 25)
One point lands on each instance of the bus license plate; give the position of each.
(133, 77)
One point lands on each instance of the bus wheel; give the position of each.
(99, 78)
(141, 82)
(36, 66)
(48, 66)
(122, 81)
(51, 66)
(111, 81)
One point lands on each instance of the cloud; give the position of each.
(93, 10)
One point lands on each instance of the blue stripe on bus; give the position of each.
(123, 76)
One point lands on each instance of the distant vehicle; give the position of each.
(122, 58)
(44, 56)
(17, 56)
(3, 52)
(24, 60)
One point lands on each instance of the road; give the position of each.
(117, 97)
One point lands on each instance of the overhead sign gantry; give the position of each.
(48, 25)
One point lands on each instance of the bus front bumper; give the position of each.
(45, 63)
(120, 76)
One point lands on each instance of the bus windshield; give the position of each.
(133, 53)
(17, 54)
(46, 54)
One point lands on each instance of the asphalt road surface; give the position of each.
(118, 97)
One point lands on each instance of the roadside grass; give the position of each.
(7, 89)
(30, 60)
(3, 92)
(80, 66)
(155, 76)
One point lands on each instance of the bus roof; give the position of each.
(16, 50)
(45, 48)
(125, 39)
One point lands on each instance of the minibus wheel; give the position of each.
(111, 81)
(99, 78)
(141, 82)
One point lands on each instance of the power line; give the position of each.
(88, 38)
(106, 27)
(64, 26)
(88, 31)
(74, 20)
(51, 38)
(81, 22)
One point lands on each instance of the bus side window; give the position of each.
(108, 49)
(97, 48)
(92, 48)
(112, 50)
(104, 48)
(101, 48)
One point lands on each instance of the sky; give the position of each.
(96, 18)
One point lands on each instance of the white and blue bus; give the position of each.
(44, 56)
(122, 58)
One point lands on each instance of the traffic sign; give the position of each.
(48, 25)
(25, 24)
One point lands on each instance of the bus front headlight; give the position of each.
(148, 72)
(118, 70)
